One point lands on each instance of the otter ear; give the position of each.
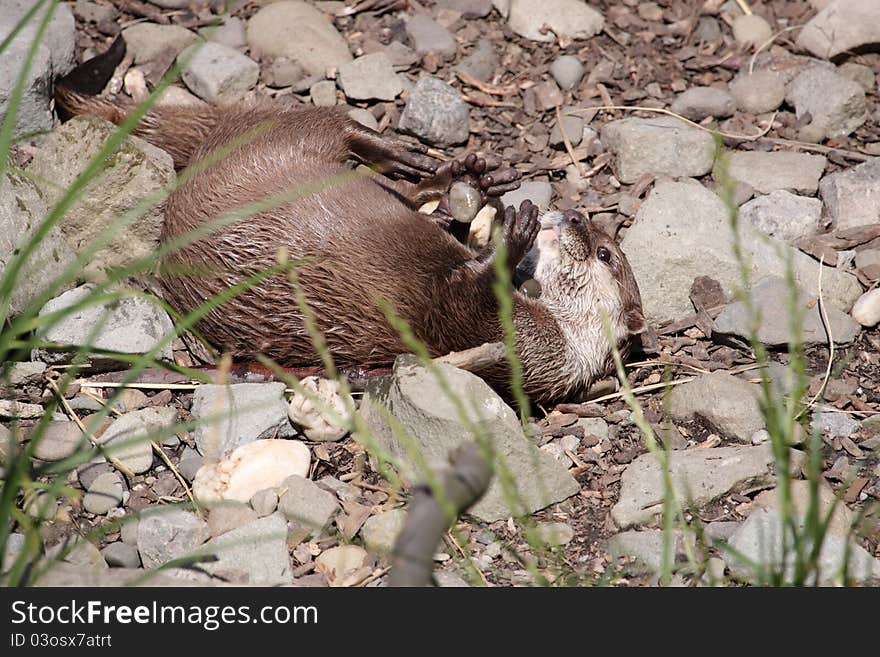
(635, 320)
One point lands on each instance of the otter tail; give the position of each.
(178, 130)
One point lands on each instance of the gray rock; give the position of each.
(229, 515)
(726, 403)
(699, 102)
(841, 26)
(285, 73)
(20, 410)
(427, 35)
(172, 4)
(323, 93)
(299, 32)
(60, 35)
(232, 416)
(447, 579)
(134, 172)
(402, 56)
(169, 534)
(14, 545)
(646, 549)
(758, 92)
(698, 477)
(132, 325)
(231, 34)
(433, 423)
(364, 117)
(751, 30)
(758, 552)
(128, 533)
(536, 191)
(121, 555)
(867, 257)
(105, 493)
(34, 115)
(128, 437)
(859, 73)
(771, 298)
(784, 215)
(554, 533)
(593, 426)
(468, 8)
(482, 62)
(22, 210)
(67, 575)
(834, 104)
(663, 145)
(380, 531)
(767, 172)
(436, 113)
(59, 440)
(79, 552)
(567, 70)
(835, 424)
(852, 196)
(217, 73)
(574, 129)
(190, 462)
(265, 502)
(566, 18)
(682, 231)
(708, 29)
(254, 554)
(370, 77)
(148, 42)
(307, 504)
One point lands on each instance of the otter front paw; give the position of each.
(392, 157)
(482, 172)
(519, 230)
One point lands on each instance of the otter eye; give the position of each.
(603, 254)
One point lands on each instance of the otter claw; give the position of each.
(520, 229)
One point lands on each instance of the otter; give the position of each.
(361, 244)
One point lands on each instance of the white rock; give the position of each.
(217, 73)
(251, 468)
(866, 310)
(321, 410)
(339, 563)
(751, 30)
(841, 26)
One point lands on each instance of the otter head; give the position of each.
(583, 274)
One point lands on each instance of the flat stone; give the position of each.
(566, 18)
(783, 215)
(427, 35)
(859, 73)
(573, 125)
(436, 113)
(482, 62)
(751, 30)
(34, 115)
(370, 77)
(835, 424)
(235, 415)
(699, 102)
(105, 493)
(127, 437)
(20, 410)
(323, 93)
(228, 515)
(254, 554)
(538, 192)
(59, 440)
(265, 501)
(303, 502)
(169, 534)
(757, 550)
(645, 547)
(339, 564)
(771, 299)
(299, 32)
(231, 33)
(866, 310)
(136, 170)
(726, 403)
(683, 231)
(190, 462)
(59, 37)
(657, 146)
(433, 423)
(767, 172)
(852, 196)
(758, 92)
(148, 42)
(121, 555)
(217, 73)
(834, 104)
(699, 476)
(364, 117)
(381, 530)
(840, 27)
(554, 533)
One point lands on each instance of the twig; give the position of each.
(476, 358)
(491, 89)
(139, 8)
(818, 148)
(823, 315)
(660, 110)
(480, 102)
(745, 7)
(451, 539)
(641, 389)
(567, 142)
(95, 443)
(767, 43)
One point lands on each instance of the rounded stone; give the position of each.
(751, 30)
(567, 70)
(121, 555)
(758, 92)
(104, 494)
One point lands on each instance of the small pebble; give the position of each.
(104, 494)
(866, 310)
(265, 501)
(567, 70)
(751, 30)
(121, 555)
(464, 202)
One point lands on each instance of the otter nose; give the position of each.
(573, 216)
